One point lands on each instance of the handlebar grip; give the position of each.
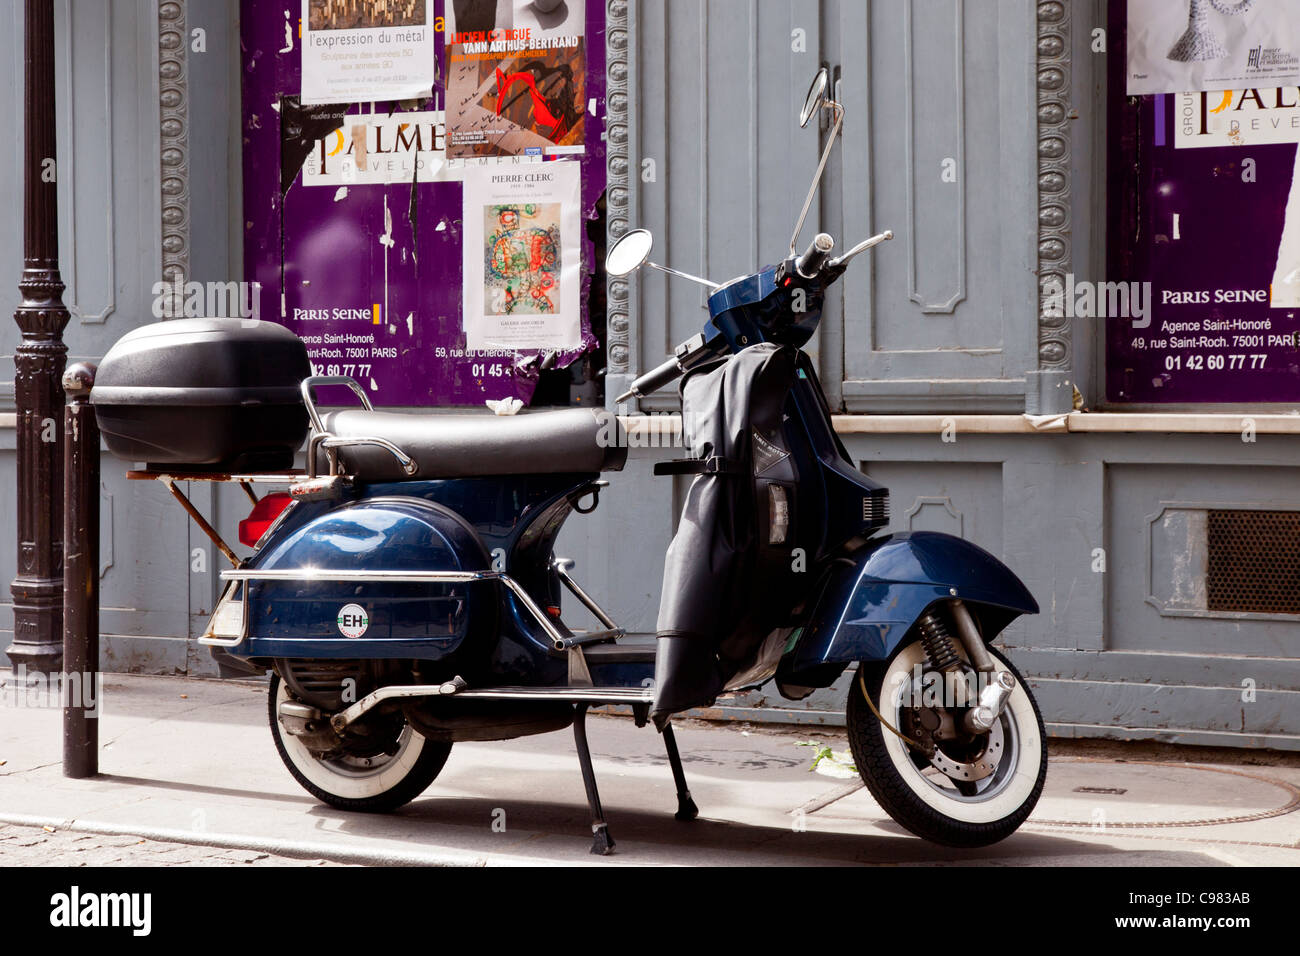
(819, 250)
(657, 378)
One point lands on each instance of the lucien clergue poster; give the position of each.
(1176, 46)
(522, 256)
(367, 50)
(515, 78)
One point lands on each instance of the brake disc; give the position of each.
(977, 769)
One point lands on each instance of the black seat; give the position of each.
(576, 440)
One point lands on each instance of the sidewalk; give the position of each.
(192, 762)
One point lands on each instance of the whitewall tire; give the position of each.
(915, 790)
(375, 783)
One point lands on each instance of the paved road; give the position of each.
(192, 762)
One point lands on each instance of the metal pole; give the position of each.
(80, 576)
(40, 358)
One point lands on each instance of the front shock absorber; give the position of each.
(939, 645)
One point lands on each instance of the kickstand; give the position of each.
(602, 843)
(686, 809)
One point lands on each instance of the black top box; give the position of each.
(204, 395)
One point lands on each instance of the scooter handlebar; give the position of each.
(819, 250)
(652, 380)
(839, 262)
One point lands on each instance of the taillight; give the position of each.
(263, 515)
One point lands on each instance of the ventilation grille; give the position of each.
(875, 508)
(1254, 561)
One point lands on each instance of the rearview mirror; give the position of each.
(629, 253)
(816, 97)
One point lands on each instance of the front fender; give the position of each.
(404, 620)
(870, 603)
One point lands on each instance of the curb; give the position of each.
(288, 848)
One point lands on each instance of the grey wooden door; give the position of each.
(718, 164)
(121, 72)
(939, 147)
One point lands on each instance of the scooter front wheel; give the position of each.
(965, 793)
(375, 779)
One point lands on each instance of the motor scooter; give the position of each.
(405, 594)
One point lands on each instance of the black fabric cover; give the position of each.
(726, 582)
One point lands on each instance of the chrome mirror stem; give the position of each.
(838, 110)
(682, 275)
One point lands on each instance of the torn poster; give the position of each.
(1284, 290)
(522, 256)
(367, 50)
(369, 271)
(1177, 46)
(371, 148)
(515, 80)
(1237, 117)
(1203, 291)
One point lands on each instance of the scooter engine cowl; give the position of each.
(328, 685)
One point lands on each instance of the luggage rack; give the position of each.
(562, 641)
(245, 481)
(303, 483)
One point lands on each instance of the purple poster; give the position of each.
(354, 226)
(1205, 237)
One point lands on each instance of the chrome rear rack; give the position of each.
(560, 641)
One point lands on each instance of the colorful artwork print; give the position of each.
(541, 93)
(522, 258)
(506, 102)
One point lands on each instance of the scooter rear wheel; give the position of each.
(372, 784)
(917, 791)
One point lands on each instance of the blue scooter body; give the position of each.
(871, 598)
(873, 589)
(869, 604)
(504, 523)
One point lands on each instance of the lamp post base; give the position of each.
(38, 625)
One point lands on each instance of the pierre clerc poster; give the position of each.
(521, 256)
